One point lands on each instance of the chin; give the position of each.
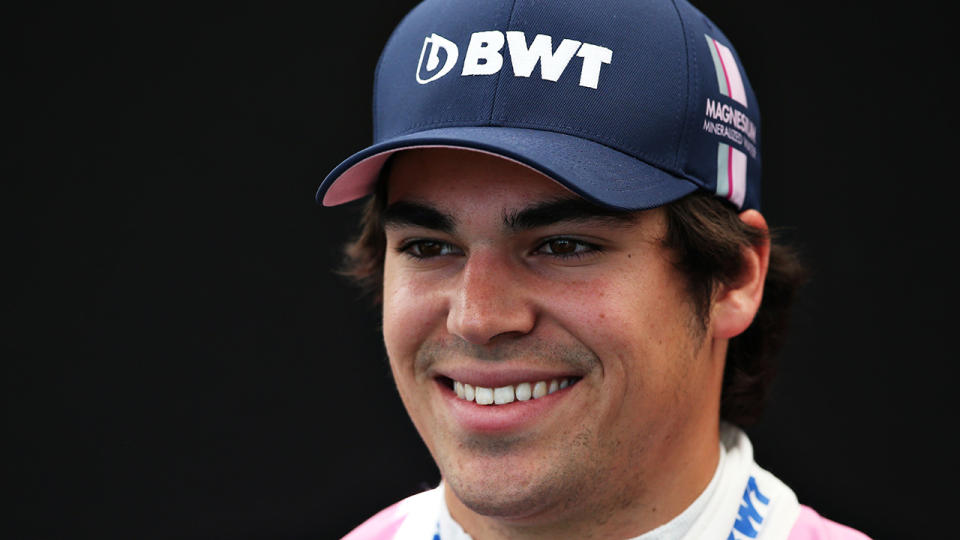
(521, 490)
(502, 499)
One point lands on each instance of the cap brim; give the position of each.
(591, 170)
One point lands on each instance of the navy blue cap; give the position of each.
(628, 103)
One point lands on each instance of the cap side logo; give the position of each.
(431, 47)
(728, 72)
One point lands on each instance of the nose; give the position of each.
(490, 300)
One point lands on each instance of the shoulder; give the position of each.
(400, 519)
(382, 525)
(812, 526)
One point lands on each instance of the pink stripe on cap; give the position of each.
(732, 74)
(737, 170)
(723, 64)
(730, 185)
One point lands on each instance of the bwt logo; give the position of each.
(484, 57)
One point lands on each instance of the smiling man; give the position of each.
(581, 299)
(499, 281)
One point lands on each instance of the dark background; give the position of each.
(179, 360)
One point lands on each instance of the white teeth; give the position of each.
(503, 395)
(508, 394)
(484, 395)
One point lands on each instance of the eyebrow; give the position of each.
(412, 214)
(564, 210)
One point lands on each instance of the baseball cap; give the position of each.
(629, 103)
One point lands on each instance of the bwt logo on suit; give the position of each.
(484, 57)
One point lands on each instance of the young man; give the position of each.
(580, 296)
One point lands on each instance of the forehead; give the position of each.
(463, 179)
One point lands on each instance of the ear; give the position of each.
(737, 302)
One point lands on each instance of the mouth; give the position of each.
(506, 394)
(508, 401)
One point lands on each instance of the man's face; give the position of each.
(495, 276)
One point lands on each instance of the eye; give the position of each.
(567, 247)
(427, 248)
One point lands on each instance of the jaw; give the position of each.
(562, 487)
(516, 462)
(523, 479)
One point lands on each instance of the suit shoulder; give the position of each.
(812, 526)
(382, 525)
(387, 523)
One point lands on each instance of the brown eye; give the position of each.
(562, 246)
(428, 248)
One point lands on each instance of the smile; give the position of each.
(502, 395)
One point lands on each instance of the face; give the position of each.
(498, 284)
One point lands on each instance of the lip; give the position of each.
(502, 419)
(505, 376)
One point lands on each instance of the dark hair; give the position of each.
(707, 237)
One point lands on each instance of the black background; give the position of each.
(179, 360)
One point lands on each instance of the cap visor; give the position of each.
(594, 171)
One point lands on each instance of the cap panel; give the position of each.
(643, 85)
(419, 80)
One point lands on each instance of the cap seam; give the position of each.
(376, 94)
(376, 74)
(679, 173)
(612, 144)
(679, 157)
(496, 86)
(361, 156)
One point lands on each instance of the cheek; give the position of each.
(411, 314)
(409, 319)
(637, 327)
(601, 315)
(609, 314)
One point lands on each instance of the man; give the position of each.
(565, 237)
